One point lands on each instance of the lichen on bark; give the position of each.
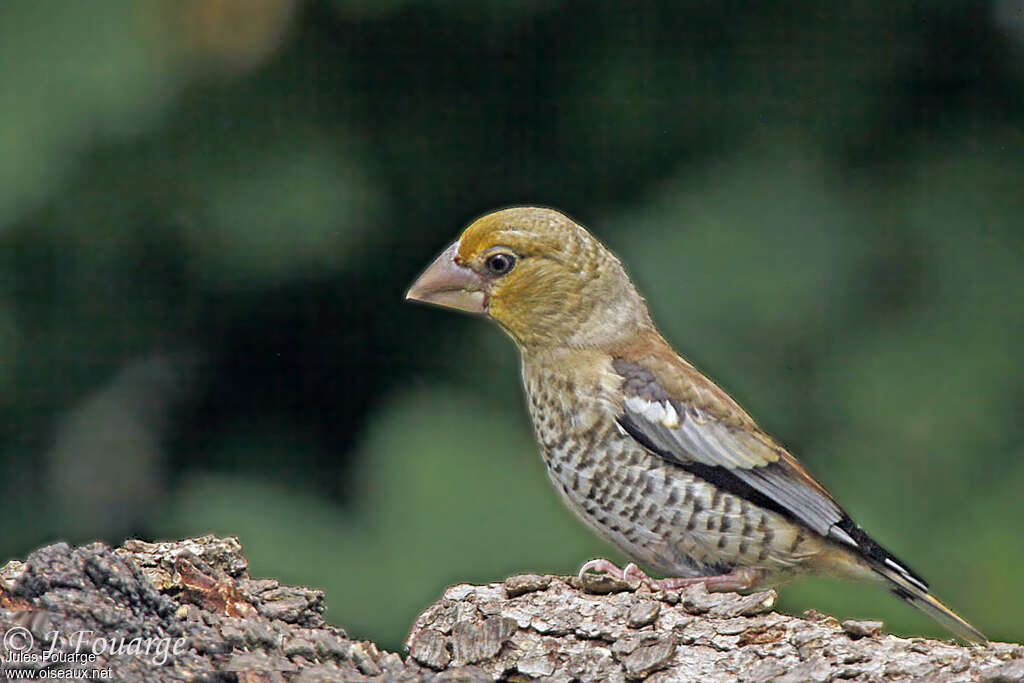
(552, 628)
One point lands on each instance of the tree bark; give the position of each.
(188, 611)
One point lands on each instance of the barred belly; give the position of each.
(662, 517)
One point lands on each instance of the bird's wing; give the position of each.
(680, 415)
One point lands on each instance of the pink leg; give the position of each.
(740, 579)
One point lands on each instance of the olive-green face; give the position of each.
(527, 268)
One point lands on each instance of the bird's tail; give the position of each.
(913, 593)
(907, 585)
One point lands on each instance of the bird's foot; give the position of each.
(603, 566)
(740, 579)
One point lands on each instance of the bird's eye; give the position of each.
(500, 263)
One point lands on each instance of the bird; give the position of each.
(646, 450)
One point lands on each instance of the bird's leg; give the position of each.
(739, 579)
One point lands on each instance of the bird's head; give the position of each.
(539, 275)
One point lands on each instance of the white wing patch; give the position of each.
(671, 418)
(703, 439)
(658, 412)
(635, 404)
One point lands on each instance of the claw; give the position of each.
(632, 572)
(600, 565)
(629, 573)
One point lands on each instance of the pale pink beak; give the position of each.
(446, 283)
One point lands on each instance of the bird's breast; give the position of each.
(612, 484)
(573, 409)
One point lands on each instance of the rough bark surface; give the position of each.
(224, 626)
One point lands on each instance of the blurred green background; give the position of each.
(210, 211)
